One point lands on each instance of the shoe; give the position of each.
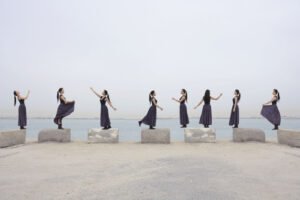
(184, 126)
(235, 127)
(275, 128)
(140, 123)
(22, 128)
(151, 127)
(60, 126)
(108, 127)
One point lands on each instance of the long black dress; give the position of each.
(22, 119)
(150, 118)
(63, 110)
(234, 116)
(206, 116)
(184, 118)
(104, 116)
(271, 113)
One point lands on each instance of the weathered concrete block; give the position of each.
(289, 137)
(11, 138)
(248, 134)
(96, 135)
(55, 135)
(195, 135)
(159, 135)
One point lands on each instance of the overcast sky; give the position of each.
(130, 47)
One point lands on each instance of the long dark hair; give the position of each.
(107, 95)
(238, 94)
(206, 97)
(186, 94)
(15, 99)
(277, 93)
(150, 96)
(58, 92)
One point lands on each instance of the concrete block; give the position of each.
(196, 135)
(289, 137)
(157, 136)
(12, 137)
(55, 135)
(248, 134)
(96, 135)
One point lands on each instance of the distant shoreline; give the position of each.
(162, 118)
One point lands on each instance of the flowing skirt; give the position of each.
(22, 121)
(184, 118)
(234, 116)
(104, 116)
(150, 118)
(272, 114)
(206, 116)
(63, 110)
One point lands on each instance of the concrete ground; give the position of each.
(132, 171)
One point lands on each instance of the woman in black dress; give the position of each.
(104, 116)
(64, 109)
(270, 110)
(22, 118)
(206, 116)
(150, 118)
(235, 112)
(184, 118)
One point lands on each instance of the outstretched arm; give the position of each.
(182, 99)
(269, 102)
(97, 94)
(154, 103)
(110, 104)
(213, 98)
(198, 104)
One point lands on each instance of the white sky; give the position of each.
(130, 47)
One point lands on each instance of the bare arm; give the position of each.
(269, 102)
(235, 103)
(174, 99)
(213, 98)
(179, 100)
(110, 104)
(26, 97)
(154, 103)
(65, 100)
(198, 104)
(97, 94)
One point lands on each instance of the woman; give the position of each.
(104, 116)
(150, 118)
(184, 118)
(22, 119)
(270, 110)
(64, 109)
(206, 116)
(235, 113)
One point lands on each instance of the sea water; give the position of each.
(130, 131)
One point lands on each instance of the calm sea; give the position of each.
(129, 130)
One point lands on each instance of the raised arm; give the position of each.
(154, 103)
(213, 98)
(198, 104)
(97, 94)
(26, 97)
